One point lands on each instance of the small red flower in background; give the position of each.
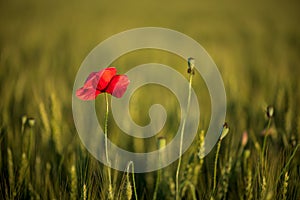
(105, 80)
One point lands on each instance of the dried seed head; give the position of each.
(225, 130)
(270, 111)
(191, 65)
(247, 154)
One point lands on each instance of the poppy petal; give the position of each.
(100, 80)
(105, 77)
(87, 93)
(118, 85)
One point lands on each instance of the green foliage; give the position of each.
(255, 46)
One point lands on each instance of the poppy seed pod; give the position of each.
(161, 142)
(247, 154)
(270, 111)
(31, 121)
(24, 119)
(191, 65)
(225, 131)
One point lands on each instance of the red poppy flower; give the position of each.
(105, 80)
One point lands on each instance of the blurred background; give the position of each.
(44, 42)
(255, 44)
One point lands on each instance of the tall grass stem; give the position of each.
(288, 163)
(181, 135)
(265, 142)
(215, 165)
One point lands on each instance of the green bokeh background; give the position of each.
(255, 44)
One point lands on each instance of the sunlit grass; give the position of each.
(255, 46)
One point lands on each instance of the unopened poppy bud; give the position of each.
(244, 138)
(247, 154)
(161, 142)
(24, 119)
(225, 130)
(31, 121)
(293, 140)
(191, 65)
(270, 111)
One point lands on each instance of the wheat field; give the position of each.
(256, 46)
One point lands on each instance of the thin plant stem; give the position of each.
(288, 163)
(105, 128)
(157, 181)
(161, 143)
(106, 146)
(261, 163)
(265, 142)
(29, 144)
(215, 167)
(133, 179)
(181, 135)
(157, 184)
(192, 188)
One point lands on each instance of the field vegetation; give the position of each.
(256, 46)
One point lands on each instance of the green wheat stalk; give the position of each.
(285, 186)
(38, 171)
(45, 122)
(24, 170)
(225, 179)
(249, 194)
(288, 163)
(263, 187)
(11, 176)
(188, 184)
(84, 192)
(55, 119)
(160, 144)
(73, 182)
(224, 132)
(248, 181)
(133, 179)
(128, 190)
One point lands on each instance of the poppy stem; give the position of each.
(110, 194)
(105, 127)
(181, 135)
